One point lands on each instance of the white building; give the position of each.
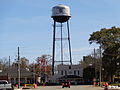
(73, 73)
(70, 70)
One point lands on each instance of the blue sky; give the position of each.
(28, 24)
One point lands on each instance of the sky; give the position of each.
(28, 24)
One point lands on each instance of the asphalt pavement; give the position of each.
(77, 87)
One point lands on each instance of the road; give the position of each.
(80, 87)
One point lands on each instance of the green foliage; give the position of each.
(109, 40)
(91, 65)
(87, 60)
(89, 73)
(106, 37)
(24, 62)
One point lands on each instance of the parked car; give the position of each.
(66, 84)
(4, 85)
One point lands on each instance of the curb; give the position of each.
(17, 89)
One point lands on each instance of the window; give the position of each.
(61, 72)
(65, 72)
(78, 72)
(75, 72)
(69, 67)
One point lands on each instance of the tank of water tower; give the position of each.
(61, 13)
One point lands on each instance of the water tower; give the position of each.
(61, 15)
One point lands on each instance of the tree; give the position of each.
(24, 62)
(91, 66)
(109, 40)
(88, 68)
(4, 63)
(42, 67)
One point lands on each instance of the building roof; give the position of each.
(13, 72)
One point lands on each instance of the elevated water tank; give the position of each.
(61, 13)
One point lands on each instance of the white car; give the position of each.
(4, 85)
(113, 87)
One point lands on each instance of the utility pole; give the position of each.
(95, 76)
(9, 62)
(100, 66)
(18, 69)
(34, 72)
(9, 70)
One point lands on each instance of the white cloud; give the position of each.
(82, 49)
